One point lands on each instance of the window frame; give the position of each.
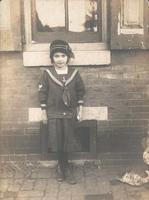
(82, 37)
(28, 25)
(37, 54)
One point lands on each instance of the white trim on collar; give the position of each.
(59, 82)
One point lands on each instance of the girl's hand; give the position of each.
(80, 114)
(44, 118)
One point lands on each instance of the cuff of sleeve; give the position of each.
(43, 106)
(80, 102)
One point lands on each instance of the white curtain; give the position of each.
(51, 12)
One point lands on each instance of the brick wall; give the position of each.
(122, 87)
(18, 93)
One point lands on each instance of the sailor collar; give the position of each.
(58, 82)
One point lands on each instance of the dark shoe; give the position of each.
(60, 174)
(70, 178)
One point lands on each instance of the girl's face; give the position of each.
(60, 59)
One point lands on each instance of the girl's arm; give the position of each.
(80, 113)
(80, 89)
(43, 89)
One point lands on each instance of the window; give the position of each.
(132, 14)
(83, 23)
(72, 20)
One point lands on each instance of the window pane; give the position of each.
(132, 12)
(82, 15)
(50, 15)
(71, 20)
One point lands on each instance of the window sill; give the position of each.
(36, 54)
(130, 31)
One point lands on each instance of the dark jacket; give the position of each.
(61, 97)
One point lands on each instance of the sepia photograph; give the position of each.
(74, 99)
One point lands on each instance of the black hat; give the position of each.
(60, 46)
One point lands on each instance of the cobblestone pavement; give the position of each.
(37, 181)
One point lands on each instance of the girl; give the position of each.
(61, 92)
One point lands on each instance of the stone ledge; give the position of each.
(86, 57)
(89, 113)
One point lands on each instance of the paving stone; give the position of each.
(1, 195)
(9, 194)
(64, 197)
(119, 192)
(78, 189)
(79, 174)
(135, 196)
(40, 184)
(77, 197)
(33, 193)
(52, 187)
(64, 189)
(28, 184)
(4, 184)
(6, 174)
(131, 189)
(103, 185)
(29, 198)
(90, 181)
(50, 197)
(15, 186)
(144, 195)
(106, 196)
(91, 190)
(136, 193)
(91, 185)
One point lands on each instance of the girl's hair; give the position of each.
(60, 46)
